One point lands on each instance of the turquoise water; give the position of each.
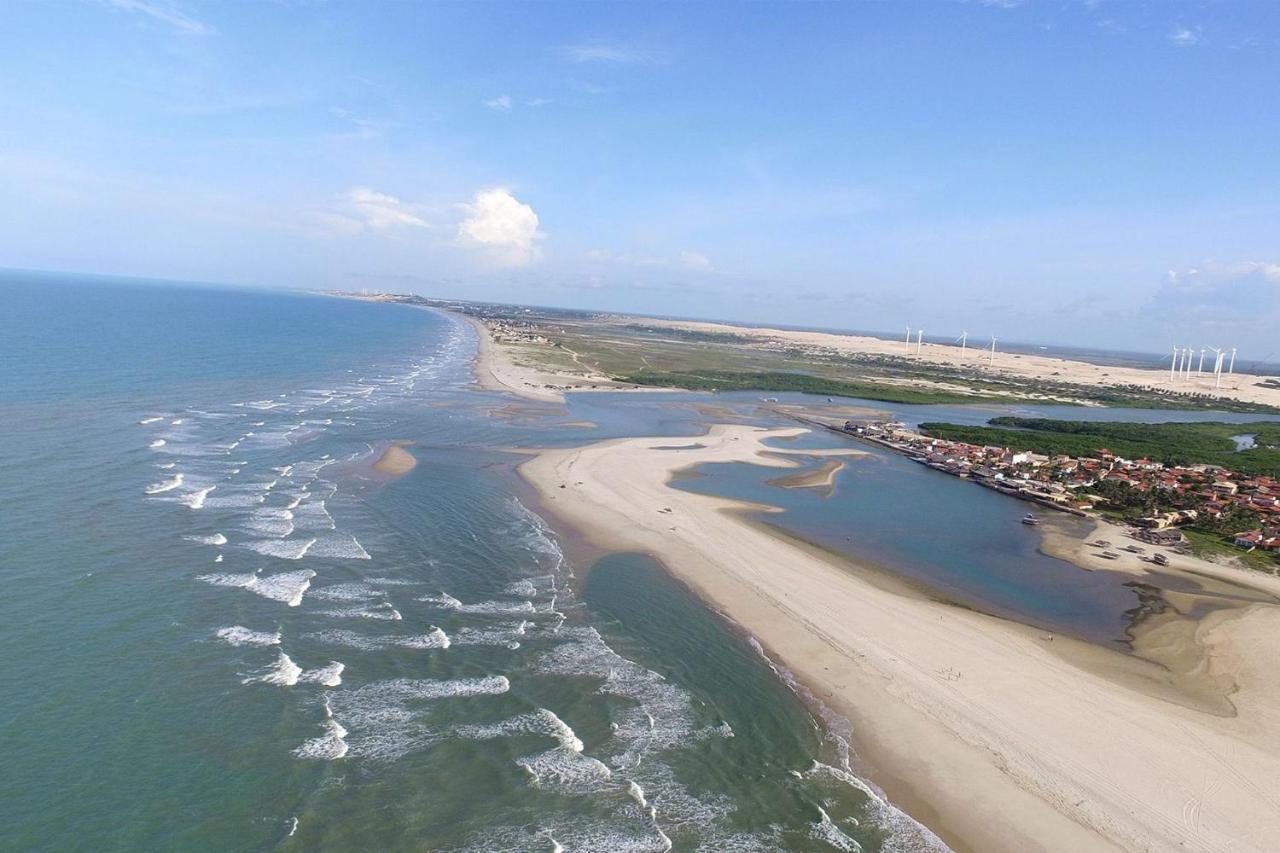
(224, 631)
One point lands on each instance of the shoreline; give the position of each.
(954, 705)
(495, 370)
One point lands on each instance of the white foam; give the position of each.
(443, 600)
(521, 589)
(238, 635)
(287, 587)
(635, 792)
(284, 673)
(166, 465)
(146, 421)
(386, 715)
(490, 637)
(270, 521)
(159, 442)
(353, 591)
(480, 608)
(541, 722)
(311, 515)
(196, 499)
(825, 830)
(383, 611)
(904, 833)
(433, 639)
(332, 744)
(284, 549)
(338, 546)
(164, 485)
(563, 769)
(327, 676)
(215, 539)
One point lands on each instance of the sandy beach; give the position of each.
(996, 736)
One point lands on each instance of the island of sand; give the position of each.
(395, 460)
(997, 736)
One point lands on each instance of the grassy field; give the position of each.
(1171, 443)
(727, 380)
(1213, 545)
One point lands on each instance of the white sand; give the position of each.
(997, 736)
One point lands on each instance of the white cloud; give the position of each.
(165, 13)
(696, 261)
(362, 128)
(1185, 36)
(503, 227)
(599, 51)
(502, 102)
(686, 260)
(1238, 300)
(1213, 271)
(379, 211)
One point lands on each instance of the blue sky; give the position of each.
(1099, 173)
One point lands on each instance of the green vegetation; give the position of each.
(1171, 443)
(729, 380)
(1207, 544)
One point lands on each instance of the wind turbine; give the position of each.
(907, 343)
(963, 339)
(1232, 368)
(919, 339)
(991, 362)
(1187, 355)
(1173, 365)
(1200, 369)
(1217, 366)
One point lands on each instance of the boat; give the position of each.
(1030, 519)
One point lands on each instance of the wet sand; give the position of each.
(995, 735)
(395, 461)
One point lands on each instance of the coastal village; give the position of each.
(1072, 484)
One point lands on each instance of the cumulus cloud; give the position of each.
(379, 211)
(502, 102)
(165, 13)
(504, 228)
(1185, 36)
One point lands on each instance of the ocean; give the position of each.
(224, 630)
